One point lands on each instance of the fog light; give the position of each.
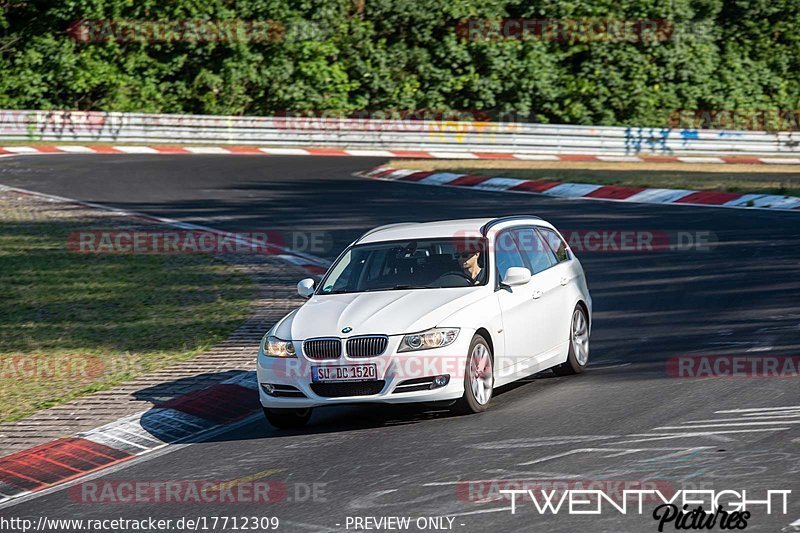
(440, 381)
(268, 388)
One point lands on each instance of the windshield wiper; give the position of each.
(399, 287)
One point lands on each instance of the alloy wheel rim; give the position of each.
(580, 337)
(481, 376)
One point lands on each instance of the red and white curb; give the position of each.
(312, 264)
(415, 154)
(588, 191)
(185, 418)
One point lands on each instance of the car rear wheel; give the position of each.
(578, 356)
(478, 378)
(287, 418)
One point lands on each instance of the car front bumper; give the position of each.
(393, 369)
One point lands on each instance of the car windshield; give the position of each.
(412, 264)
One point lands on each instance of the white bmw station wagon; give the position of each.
(429, 312)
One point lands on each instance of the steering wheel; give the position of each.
(457, 273)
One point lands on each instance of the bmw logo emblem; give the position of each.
(347, 330)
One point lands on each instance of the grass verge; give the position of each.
(75, 323)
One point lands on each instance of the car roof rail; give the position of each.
(486, 227)
(381, 228)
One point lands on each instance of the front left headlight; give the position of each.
(272, 346)
(429, 339)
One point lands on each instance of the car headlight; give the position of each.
(272, 346)
(427, 340)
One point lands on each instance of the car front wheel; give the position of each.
(478, 378)
(287, 418)
(578, 356)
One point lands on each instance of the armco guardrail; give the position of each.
(79, 126)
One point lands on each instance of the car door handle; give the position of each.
(537, 293)
(564, 280)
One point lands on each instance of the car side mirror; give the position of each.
(305, 287)
(516, 276)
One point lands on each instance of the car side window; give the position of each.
(535, 249)
(506, 254)
(557, 245)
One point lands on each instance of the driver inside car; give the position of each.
(471, 264)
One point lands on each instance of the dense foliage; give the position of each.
(347, 55)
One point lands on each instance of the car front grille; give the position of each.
(323, 348)
(367, 346)
(354, 388)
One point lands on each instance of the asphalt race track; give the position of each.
(628, 419)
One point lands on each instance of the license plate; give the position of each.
(344, 373)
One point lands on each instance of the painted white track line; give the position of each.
(760, 409)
